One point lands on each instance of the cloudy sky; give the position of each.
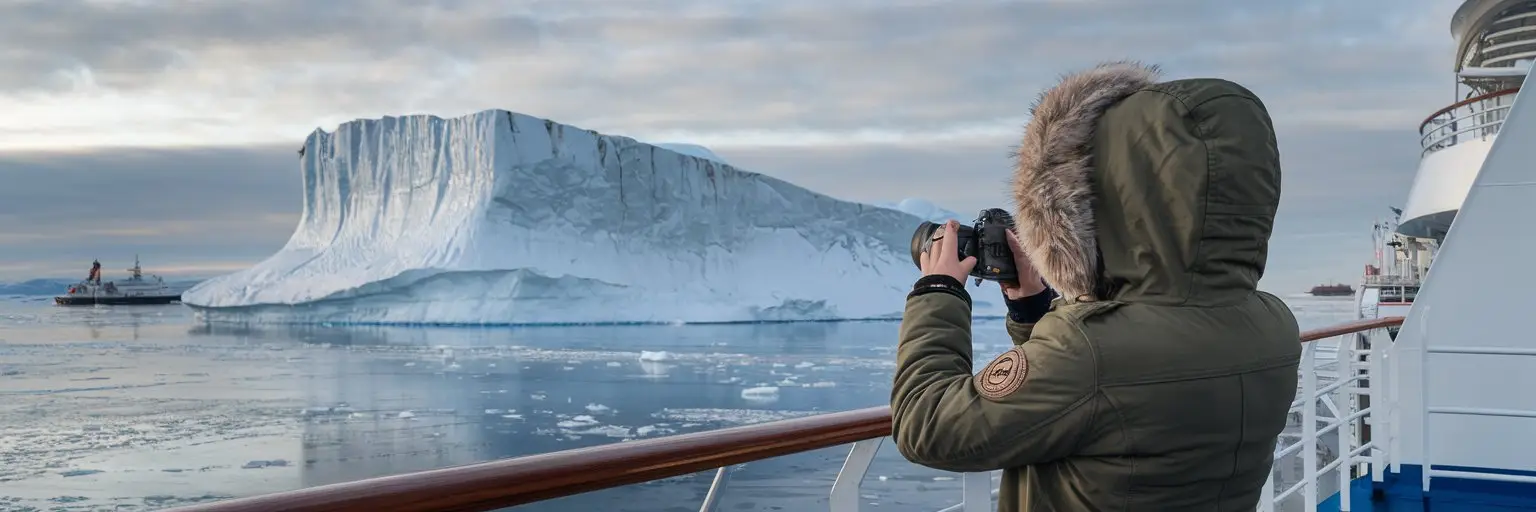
(168, 128)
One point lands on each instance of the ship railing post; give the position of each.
(1309, 425)
(976, 491)
(1379, 417)
(716, 487)
(845, 489)
(1267, 496)
(1392, 358)
(1345, 431)
(1424, 457)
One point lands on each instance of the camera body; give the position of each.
(986, 239)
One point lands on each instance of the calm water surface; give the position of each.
(139, 408)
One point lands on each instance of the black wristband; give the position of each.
(940, 283)
(1030, 309)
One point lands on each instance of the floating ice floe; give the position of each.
(658, 356)
(761, 392)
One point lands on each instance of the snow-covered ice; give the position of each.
(502, 218)
(928, 211)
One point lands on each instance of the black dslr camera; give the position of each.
(987, 240)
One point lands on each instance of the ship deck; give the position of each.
(1401, 492)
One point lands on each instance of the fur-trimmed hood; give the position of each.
(1132, 190)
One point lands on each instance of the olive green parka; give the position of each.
(1161, 378)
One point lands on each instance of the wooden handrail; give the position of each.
(522, 480)
(1464, 103)
(1350, 327)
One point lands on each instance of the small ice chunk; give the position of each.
(79, 472)
(613, 431)
(760, 392)
(578, 422)
(407, 415)
(646, 355)
(614, 364)
(598, 408)
(805, 364)
(650, 430)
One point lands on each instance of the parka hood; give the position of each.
(1132, 190)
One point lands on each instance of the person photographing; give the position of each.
(1160, 377)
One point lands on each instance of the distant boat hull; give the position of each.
(1340, 290)
(137, 300)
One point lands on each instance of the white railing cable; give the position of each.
(1428, 468)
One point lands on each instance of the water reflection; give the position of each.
(386, 400)
(781, 338)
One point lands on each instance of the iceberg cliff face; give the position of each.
(502, 218)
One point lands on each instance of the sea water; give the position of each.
(142, 407)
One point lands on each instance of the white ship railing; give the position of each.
(1386, 280)
(1475, 118)
(1429, 471)
(1343, 392)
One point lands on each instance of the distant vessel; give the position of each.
(134, 291)
(1332, 290)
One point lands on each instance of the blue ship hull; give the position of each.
(1402, 491)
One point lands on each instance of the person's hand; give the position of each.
(1029, 279)
(943, 256)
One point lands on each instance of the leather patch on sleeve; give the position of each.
(1003, 375)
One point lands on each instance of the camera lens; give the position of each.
(921, 239)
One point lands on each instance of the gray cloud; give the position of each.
(862, 99)
(695, 66)
(179, 208)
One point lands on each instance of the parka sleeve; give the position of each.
(1032, 404)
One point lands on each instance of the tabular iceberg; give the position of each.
(502, 218)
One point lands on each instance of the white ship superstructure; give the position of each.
(1495, 46)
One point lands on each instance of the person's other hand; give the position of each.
(943, 256)
(1029, 283)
